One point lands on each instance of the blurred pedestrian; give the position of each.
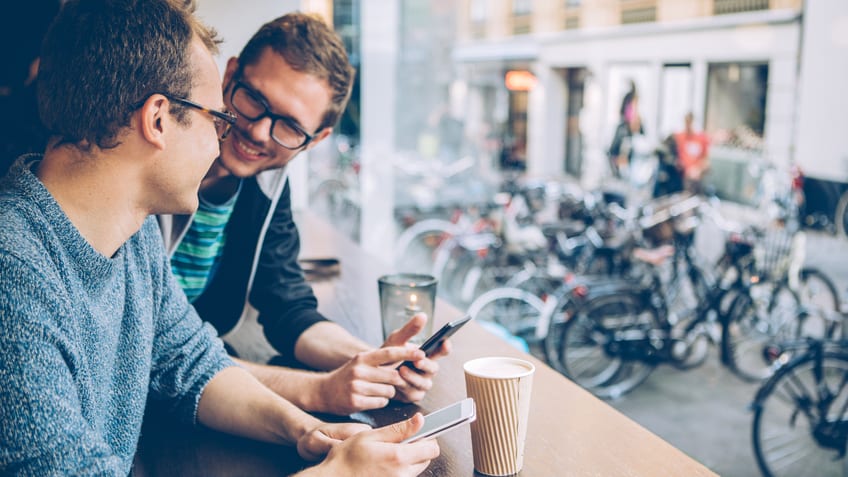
(669, 176)
(692, 155)
(627, 134)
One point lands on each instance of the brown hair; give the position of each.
(101, 58)
(310, 46)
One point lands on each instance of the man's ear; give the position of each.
(322, 134)
(230, 71)
(152, 120)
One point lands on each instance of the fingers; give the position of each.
(389, 355)
(367, 395)
(366, 382)
(398, 431)
(414, 390)
(363, 377)
(318, 442)
(344, 430)
(442, 350)
(422, 376)
(417, 382)
(421, 452)
(315, 444)
(427, 367)
(412, 327)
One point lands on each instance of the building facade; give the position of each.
(732, 63)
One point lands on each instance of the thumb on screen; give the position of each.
(399, 431)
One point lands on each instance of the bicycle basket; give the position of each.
(773, 253)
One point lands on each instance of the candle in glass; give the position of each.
(412, 308)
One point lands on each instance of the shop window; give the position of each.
(514, 149)
(736, 104)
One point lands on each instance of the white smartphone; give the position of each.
(445, 419)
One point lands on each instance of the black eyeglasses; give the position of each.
(224, 120)
(250, 105)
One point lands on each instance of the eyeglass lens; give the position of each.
(252, 108)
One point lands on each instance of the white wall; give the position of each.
(823, 112)
(236, 22)
(541, 148)
(378, 90)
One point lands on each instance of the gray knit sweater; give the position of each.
(85, 339)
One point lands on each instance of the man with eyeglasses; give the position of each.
(93, 323)
(288, 87)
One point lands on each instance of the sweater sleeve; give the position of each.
(42, 429)
(285, 301)
(187, 352)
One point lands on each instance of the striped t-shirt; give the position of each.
(196, 257)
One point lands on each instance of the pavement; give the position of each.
(704, 412)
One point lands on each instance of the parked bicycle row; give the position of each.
(607, 292)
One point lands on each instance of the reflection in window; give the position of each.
(736, 104)
(638, 11)
(736, 6)
(522, 7)
(521, 16)
(571, 14)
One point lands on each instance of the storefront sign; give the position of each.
(520, 80)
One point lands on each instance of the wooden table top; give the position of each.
(570, 432)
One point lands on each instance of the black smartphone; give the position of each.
(436, 339)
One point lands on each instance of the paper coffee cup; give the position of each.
(501, 389)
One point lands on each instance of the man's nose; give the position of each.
(260, 129)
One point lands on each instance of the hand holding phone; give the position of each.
(435, 341)
(445, 419)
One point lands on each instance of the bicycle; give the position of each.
(800, 424)
(612, 341)
(780, 287)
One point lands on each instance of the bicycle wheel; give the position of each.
(415, 247)
(768, 314)
(514, 309)
(459, 273)
(800, 423)
(819, 296)
(840, 218)
(592, 347)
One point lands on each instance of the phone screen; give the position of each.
(445, 419)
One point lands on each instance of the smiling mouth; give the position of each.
(245, 149)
